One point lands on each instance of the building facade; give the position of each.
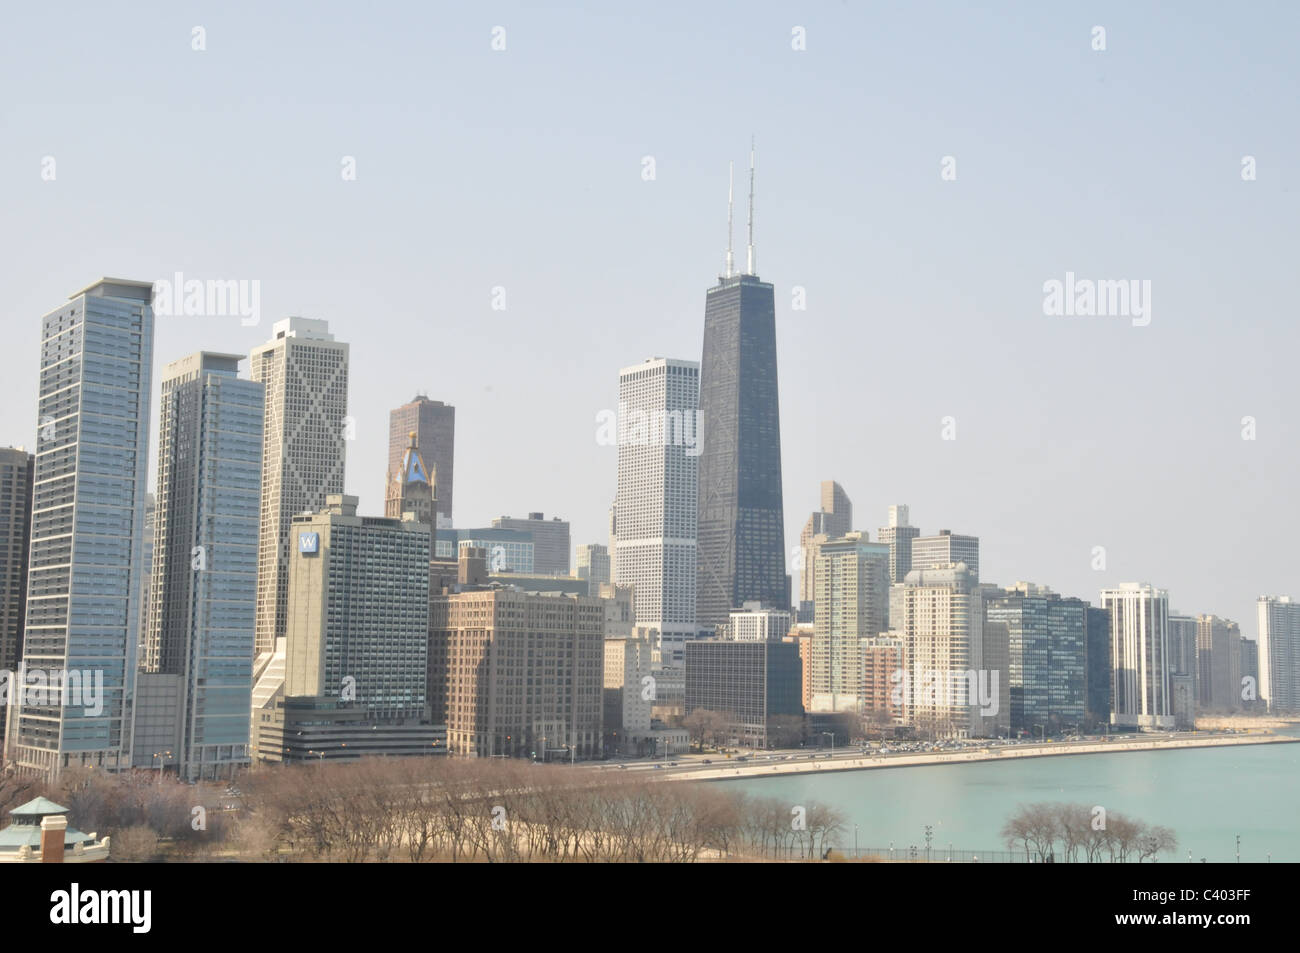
(930, 552)
(1278, 652)
(84, 587)
(434, 425)
(17, 468)
(304, 441)
(518, 674)
(1139, 651)
(755, 623)
(852, 603)
(1218, 652)
(592, 563)
(203, 587)
(833, 520)
(898, 536)
(358, 621)
(752, 683)
(653, 533)
(741, 515)
(551, 546)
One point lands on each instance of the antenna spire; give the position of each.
(750, 269)
(731, 181)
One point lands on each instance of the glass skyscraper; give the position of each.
(84, 591)
(204, 580)
(741, 551)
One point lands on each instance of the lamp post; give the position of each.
(832, 734)
(159, 755)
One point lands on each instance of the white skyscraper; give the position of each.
(87, 538)
(303, 448)
(1139, 652)
(1279, 653)
(654, 524)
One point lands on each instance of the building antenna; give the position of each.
(731, 181)
(750, 269)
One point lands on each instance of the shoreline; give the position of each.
(735, 772)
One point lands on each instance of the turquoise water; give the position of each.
(1206, 795)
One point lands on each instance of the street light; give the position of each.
(832, 734)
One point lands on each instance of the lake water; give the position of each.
(1206, 795)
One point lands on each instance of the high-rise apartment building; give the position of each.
(434, 426)
(551, 546)
(204, 581)
(358, 620)
(1047, 644)
(881, 662)
(741, 516)
(898, 536)
(754, 622)
(654, 514)
(518, 674)
(833, 520)
(1100, 681)
(17, 467)
(1139, 652)
(1279, 652)
(304, 442)
(1218, 652)
(852, 603)
(592, 564)
(954, 683)
(1182, 649)
(83, 586)
(930, 552)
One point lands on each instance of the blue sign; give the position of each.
(308, 543)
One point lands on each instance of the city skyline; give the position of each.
(1044, 395)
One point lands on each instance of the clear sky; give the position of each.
(523, 168)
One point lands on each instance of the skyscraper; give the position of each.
(852, 603)
(434, 426)
(551, 541)
(16, 469)
(898, 535)
(1218, 653)
(1279, 653)
(204, 586)
(929, 552)
(833, 520)
(305, 372)
(84, 592)
(655, 507)
(592, 564)
(741, 519)
(1139, 650)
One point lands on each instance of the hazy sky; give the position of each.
(523, 168)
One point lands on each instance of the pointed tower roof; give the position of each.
(413, 468)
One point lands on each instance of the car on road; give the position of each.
(708, 761)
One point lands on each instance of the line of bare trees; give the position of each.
(421, 810)
(1050, 832)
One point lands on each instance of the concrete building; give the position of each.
(411, 488)
(755, 684)
(852, 603)
(1218, 652)
(1278, 619)
(1047, 644)
(833, 520)
(898, 536)
(87, 537)
(17, 467)
(313, 729)
(931, 552)
(1183, 689)
(434, 425)
(204, 583)
(755, 623)
(551, 545)
(653, 531)
(801, 635)
(882, 663)
(518, 674)
(507, 550)
(1250, 698)
(1139, 651)
(304, 442)
(359, 612)
(592, 564)
(629, 693)
(954, 685)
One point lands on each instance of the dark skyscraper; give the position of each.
(741, 525)
(434, 426)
